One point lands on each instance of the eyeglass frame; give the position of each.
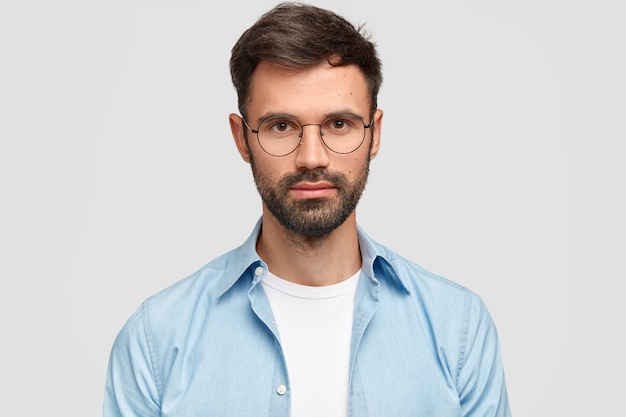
(301, 134)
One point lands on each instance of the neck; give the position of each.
(310, 260)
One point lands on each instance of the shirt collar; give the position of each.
(242, 259)
(377, 260)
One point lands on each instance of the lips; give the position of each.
(313, 190)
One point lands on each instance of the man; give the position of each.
(309, 317)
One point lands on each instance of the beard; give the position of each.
(312, 217)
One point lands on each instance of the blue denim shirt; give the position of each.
(208, 346)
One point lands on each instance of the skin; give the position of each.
(309, 95)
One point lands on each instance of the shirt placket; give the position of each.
(280, 397)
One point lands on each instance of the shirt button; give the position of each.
(258, 271)
(281, 390)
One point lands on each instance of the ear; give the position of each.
(376, 129)
(237, 129)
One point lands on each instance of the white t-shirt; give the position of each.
(315, 327)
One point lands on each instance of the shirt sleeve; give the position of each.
(131, 384)
(480, 380)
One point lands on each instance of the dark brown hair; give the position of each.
(299, 36)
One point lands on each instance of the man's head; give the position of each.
(299, 36)
(307, 84)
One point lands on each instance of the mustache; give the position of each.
(335, 178)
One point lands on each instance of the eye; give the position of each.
(340, 124)
(280, 127)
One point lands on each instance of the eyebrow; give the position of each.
(278, 115)
(274, 115)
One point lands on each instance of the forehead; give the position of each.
(311, 92)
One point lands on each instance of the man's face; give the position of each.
(313, 190)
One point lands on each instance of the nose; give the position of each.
(312, 153)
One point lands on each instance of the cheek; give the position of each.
(268, 169)
(358, 164)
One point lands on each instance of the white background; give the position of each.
(501, 167)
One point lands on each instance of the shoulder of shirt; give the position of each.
(412, 277)
(204, 284)
(440, 300)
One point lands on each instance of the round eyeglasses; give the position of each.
(281, 135)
